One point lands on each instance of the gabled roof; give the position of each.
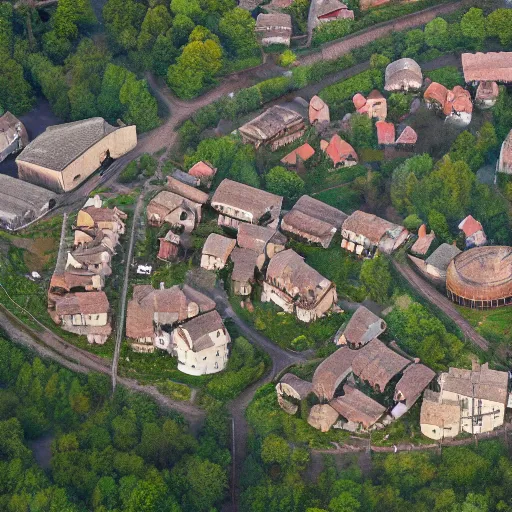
(385, 132)
(437, 413)
(363, 327)
(186, 191)
(424, 241)
(243, 197)
(11, 129)
(339, 150)
(199, 329)
(218, 246)
(496, 66)
(302, 387)
(60, 145)
(304, 152)
(202, 170)
(244, 261)
(442, 256)
(85, 303)
(255, 238)
(320, 210)
(327, 6)
(408, 136)
(273, 20)
(369, 225)
(271, 122)
(357, 407)
(470, 226)
(414, 380)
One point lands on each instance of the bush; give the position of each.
(129, 173)
(287, 58)
(449, 76)
(148, 165)
(274, 88)
(332, 30)
(412, 222)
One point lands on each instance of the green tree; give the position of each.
(436, 34)
(376, 278)
(123, 19)
(109, 103)
(57, 48)
(362, 132)
(275, 450)
(15, 92)
(345, 502)
(283, 182)
(141, 107)
(156, 22)
(190, 8)
(499, 24)
(237, 28)
(182, 27)
(72, 14)
(379, 61)
(437, 222)
(414, 41)
(82, 102)
(6, 31)
(472, 25)
(163, 55)
(105, 493)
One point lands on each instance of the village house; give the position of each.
(358, 411)
(169, 208)
(204, 171)
(152, 313)
(375, 106)
(93, 216)
(216, 251)
(473, 231)
(374, 363)
(407, 138)
(408, 389)
(424, 242)
(505, 160)
(456, 104)
(385, 133)
(486, 94)
(487, 67)
(262, 240)
(481, 277)
(339, 151)
(274, 28)
(322, 417)
(291, 390)
(318, 112)
(323, 11)
(364, 233)
(169, 246)
(480, 396)
(94, 257)
(245, 262)
(237, 202)
(22, 203)
(403, 75)
(297, 288)
(64, 156)
(363, 327)
(296, 157)
(186, 178)
(276, 127)
(313, 221)
(436, 264)
(85, 314)
(201, 345)
(13, 135)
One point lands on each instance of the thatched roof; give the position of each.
(186, 191)
(255, 238)
(301, 387)
(218, 246)
(495, 66)
(442, 256)
(403, 74)
(273, 20)
(244, 263)
(370, 226)
(60, 145)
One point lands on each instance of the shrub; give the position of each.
(412, 222)
(129, 173)
(449, 76)
(274, 88)
(287, 58)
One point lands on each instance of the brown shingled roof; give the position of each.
(85, 303)
(218, 246)
(254, 237)
(437, 413)
(186, 191)
(271, 122)
(302, 387)
(414, 380)
(357, 407)
(200, 327)
(363, 327)
(368, 225)
(496, 66)
(244, 264)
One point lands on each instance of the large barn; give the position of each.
(64, 156)
(22, 202)
(481, 277)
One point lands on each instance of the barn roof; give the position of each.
(218, 246)
(60, 145)
(496, 66)
(357, 407)
(414, 380)
(244, 261)
(358, 332)
(369, 225)
(442, 256)
(18, 196)
(86, 303)
(270, 123)
(200, 327)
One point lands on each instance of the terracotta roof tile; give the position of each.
(304, 152)
(385, 132)
(495, 66)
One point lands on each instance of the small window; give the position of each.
(433, 431)
(193, 366)
(216, 365)
(204, 358)
(183, 216)
(77, 177)
(162, 342)
(217, 354)
(218, 334)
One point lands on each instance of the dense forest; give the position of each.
(475, 478)
(107, 454)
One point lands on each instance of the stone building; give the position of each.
(276, 127)
(64, 156)
(291, 390)
(204, 172)
(22, 203)
(201, 345)
(216, 251)
(262, 240)
(170, 208)
(364, 233)
(318, 111)
(472, 401)
(481, 277)
(245, 263)
(93, 216)
(363, 327)
(486, 94)
(456, 104)
(314, 221)
(408, 389)
(85, 314)
(473, 231)
(274, 28)
(436, 265)
(423, 244)
(403, 75)
(375, 106)
(237, 202)
(153, 313)
(13, 135)
(297, 288)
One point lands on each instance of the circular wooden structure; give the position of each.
(481, 277)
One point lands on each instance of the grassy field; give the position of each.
(493, 324)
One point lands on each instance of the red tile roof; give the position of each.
(359, 101)
(470, 226)
(408, 136)
(385, 132)
(339, 150)
(304, 152)
(202, 170)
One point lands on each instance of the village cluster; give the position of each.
(254, 247)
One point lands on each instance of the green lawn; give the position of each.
(343, 198)
(493, 324)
